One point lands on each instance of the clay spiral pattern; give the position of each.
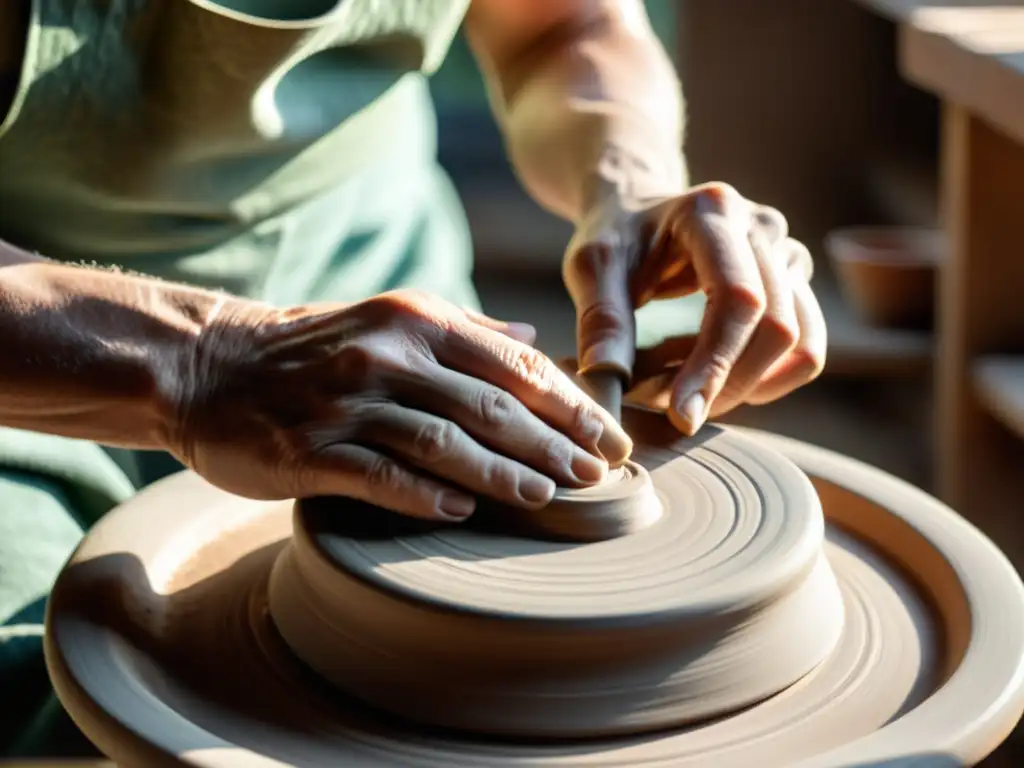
(184, 664)
(701, 613)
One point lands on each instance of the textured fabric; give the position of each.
(38, 531)
(278, 149)
(190, 139)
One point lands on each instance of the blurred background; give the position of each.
(797, 103)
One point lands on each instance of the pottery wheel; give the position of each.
(751, 618)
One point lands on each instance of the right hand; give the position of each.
(402, 400)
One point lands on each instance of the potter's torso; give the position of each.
(141, 127)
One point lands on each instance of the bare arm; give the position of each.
(587, 98)
(93, 354)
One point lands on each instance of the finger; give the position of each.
(776, 333)
(597, 278)
(442, 448)
(716, 234)
(366, 475)
(537, 383)
(806, 361)
(523, 332)
(498, 420)
(799, 261)
(772, 223)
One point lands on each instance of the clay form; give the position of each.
(179, 661)
(723, 602)
(624, 503)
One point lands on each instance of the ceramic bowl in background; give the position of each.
(887, 275)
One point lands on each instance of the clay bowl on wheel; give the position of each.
(786, 607)
(888, 274)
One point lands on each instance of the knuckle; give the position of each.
(382, 473)
(592, 260)
(586, 424)
(434, 442)
(772, 222)
(368, 365)
(718, 197)
(810, 363)
(556, 452)
(747, 303)
(603, 318)
(410, 297)
(497, 408)
(533, 368)
(584, 418)
(413, 312)
(406, 303)
(502, 478)
(360, 363)
(391, 301)
(780, 332)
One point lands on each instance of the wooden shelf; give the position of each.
(999, 383)
(970, 54)
(856, 349)
(904, 10)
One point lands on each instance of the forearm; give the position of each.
(93, 354)
(591, 111)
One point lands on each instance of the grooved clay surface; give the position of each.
(721, 602)
(180, 663)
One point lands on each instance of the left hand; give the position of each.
(763, 334)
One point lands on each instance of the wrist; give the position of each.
(93, 354)
(206, 362)
(150, 343)
(628, 181)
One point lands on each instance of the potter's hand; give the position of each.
(402, 400)
(763, 333)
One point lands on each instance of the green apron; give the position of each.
(278, 149)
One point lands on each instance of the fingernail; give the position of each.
(615, 445)
(457, 506)
(523, 330)
(536, 489)
(588, 468)
(692, 411)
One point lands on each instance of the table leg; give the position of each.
(979, 464)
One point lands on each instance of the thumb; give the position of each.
(597, 279)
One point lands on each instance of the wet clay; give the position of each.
(167, 649)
